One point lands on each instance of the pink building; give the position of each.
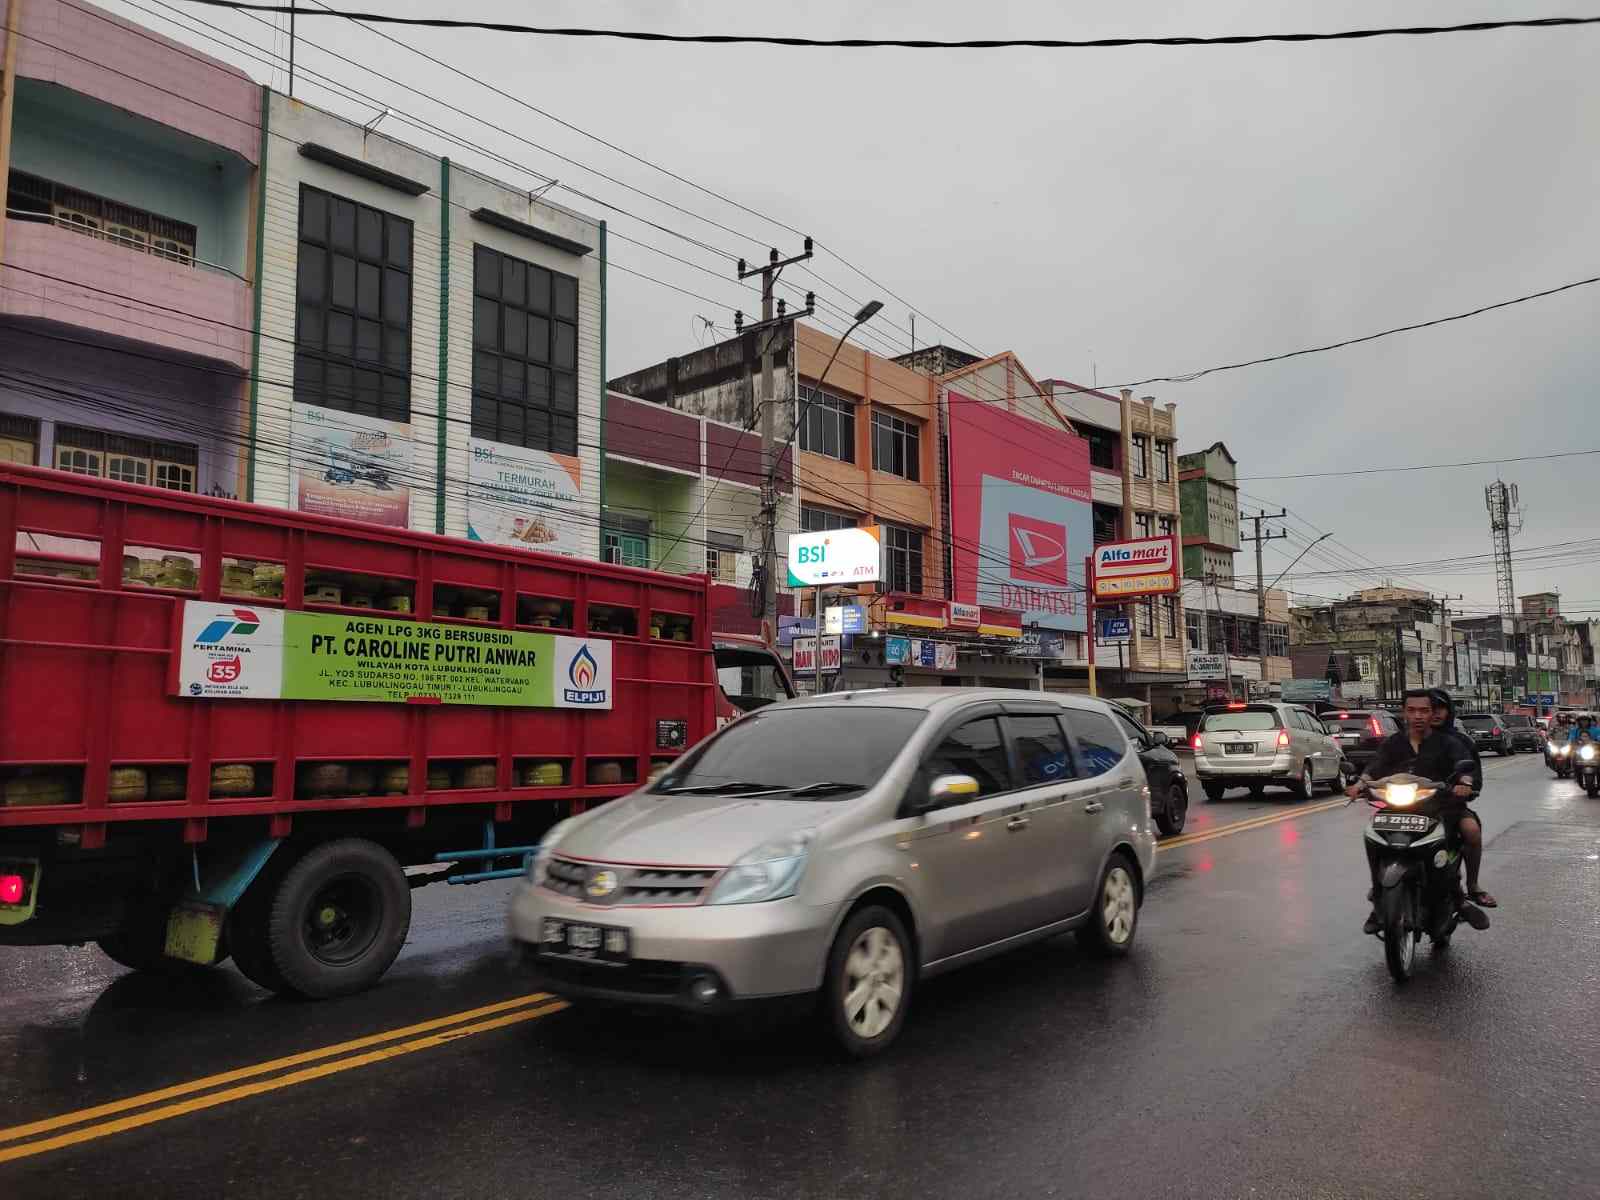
(126, 252)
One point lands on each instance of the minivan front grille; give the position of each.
(651, 885)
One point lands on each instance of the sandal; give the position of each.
(1483, 899)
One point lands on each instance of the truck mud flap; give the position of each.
(195, 924)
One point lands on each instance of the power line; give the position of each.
(740, 39)
(1449, 466)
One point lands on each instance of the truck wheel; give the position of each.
(338, 919)
(247, 935)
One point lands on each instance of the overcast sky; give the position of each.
(1111, 214)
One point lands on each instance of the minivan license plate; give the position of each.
(578, 939)
(1238, 747)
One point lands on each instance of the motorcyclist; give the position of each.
(1422, 749)
(1583, 724)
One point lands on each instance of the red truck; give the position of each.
(230, 730)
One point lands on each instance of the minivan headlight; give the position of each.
(539, 864)
(769, 872)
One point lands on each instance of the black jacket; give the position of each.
(1441, 750)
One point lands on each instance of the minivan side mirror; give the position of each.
(946, 790)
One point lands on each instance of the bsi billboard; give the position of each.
(835, 557)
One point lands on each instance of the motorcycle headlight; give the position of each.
(1563, 750)
(1586, 753)
(1400, 795)
(769, 872)
(539, 864)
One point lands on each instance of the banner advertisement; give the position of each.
(805, 655)
(241, 653)
(897, 651)
(1020, 513)
(945, 659)
(344, 465)
(529, 499)
(835, 556)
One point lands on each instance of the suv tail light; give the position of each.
(1283, 738)
(1199, 743)
(1377, 729)
(1497, 731)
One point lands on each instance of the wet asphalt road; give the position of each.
(1253, 1045)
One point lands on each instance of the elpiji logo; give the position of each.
(582, 671)
(242, 624)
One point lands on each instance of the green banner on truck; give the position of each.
(257, 653)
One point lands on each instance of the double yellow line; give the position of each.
(88, 1124)
(1288, 814)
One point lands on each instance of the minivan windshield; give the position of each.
(798, 749)
(1223, 722)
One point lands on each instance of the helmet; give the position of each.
(1441, 699)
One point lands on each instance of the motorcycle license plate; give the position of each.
(1403, 822)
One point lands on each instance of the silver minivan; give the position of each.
(848, 845)
(1253, 745)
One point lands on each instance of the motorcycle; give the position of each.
(1558, 757)
(1586, 767)
(1419, 869)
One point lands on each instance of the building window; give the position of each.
(1166, 524)
(902, 552)
(625, 539)
(1191, 626)
(170, 465)
(818, 520)
(1147, 618)
(353, 308)
(524, 354)
(896, 445)
(1277, 640)
(1164, 461)
(1106, 523)
(1144, 524)
(1141, 456)
(722, 556)
(1169, 616)
(19, 440)
(1102, 447)
(33, 199)
(827, 425)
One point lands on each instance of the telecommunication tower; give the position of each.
(1505, 519)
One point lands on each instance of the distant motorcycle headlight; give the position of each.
(1586, 753)
(1563, 750)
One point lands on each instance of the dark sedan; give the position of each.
(1488, 732)
(1361, 731)
(1522, 732)
(1169, 786)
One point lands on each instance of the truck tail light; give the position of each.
(1283, 738)
(1199, 743)
(12, 889)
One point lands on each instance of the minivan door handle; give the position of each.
(1094, 806)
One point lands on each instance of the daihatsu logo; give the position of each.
(1038, 550)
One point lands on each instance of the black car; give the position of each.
(1361, 731)
(1522, 732)
(1169, 786)
(1488, 731)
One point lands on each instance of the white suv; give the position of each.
(1253, 745)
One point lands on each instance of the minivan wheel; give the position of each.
(869, 981)
(1115, 917)
(1308, 783)
(1213, 791)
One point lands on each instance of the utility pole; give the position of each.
(1445, 640)
(1261, 539)
(770, 449)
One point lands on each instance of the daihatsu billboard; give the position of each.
(1020, 514)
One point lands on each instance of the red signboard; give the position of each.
(1020, 514)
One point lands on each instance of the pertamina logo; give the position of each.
(242, 624)
(582, 672)
(1038, 550)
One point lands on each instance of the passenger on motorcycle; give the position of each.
(1430, 750)
(1584, 726)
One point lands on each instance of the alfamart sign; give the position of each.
(232, 652)
(1144, 567)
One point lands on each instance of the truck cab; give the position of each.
(750, 675)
